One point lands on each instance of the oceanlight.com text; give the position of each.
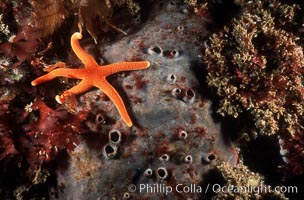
(216, 188)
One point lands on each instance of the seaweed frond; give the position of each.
(48, 15)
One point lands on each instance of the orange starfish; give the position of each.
(92, 75)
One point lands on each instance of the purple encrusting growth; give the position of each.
(175, 139)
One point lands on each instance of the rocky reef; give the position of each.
(216, 87)
(175, 139)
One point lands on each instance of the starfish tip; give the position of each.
(58, 99)
(33, 83)
(130, 124)
(77, 35)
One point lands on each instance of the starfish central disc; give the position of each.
(92, 75)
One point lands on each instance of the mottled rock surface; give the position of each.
(175, 139)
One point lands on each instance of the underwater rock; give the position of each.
(172, 134)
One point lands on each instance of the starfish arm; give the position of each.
(123, 66)
(86, 58)
(104, 86)
(70, 73)
(77, 89)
